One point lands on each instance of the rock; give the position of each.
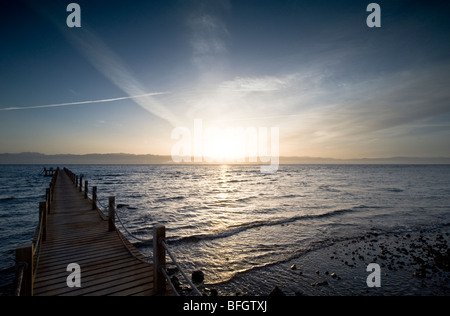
(176, 282)
(213, 292)
(276, 292)
(198, 276)
(325, 282)
(171, 271)
(333, 275)
(421, 272)
(293, 267)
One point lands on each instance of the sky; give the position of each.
(135, 71)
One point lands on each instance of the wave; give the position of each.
(126, 206)
(294, 254)
(13, 198)
(245, 199)
(173, 198)
(234, 181)
(233, 230)
(328, 188)
(362, 237)
(289, 196)
(396, 190)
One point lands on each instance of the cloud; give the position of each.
(112, 67)
(376, 115)
(209, 35)
(259, 84)
(109, 64)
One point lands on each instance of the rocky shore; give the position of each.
(411, 263)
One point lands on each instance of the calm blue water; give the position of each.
(231, 221)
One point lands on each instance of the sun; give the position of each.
(224, 147)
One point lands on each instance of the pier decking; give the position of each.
(77, 234)
(73, 230)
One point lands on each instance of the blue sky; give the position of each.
(333, 86)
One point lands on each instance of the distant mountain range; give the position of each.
(107, 159)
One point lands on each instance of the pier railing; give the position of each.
(27, 255)
(160, 247)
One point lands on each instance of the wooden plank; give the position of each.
(93, 281)
(90, 267)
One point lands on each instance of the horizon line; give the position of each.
(154, 159)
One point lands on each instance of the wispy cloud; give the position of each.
(45, 106)
(109, 64)
(114, 69)
(208, 35)
(259, 84)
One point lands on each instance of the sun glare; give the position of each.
(225, 148)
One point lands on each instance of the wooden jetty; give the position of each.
(73, 230)
(48, 172)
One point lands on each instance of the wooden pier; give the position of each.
(48, 172)
(72, 230)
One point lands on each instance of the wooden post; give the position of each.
(159, 258)
(52, 192)
(24, 255)
(94, 198)
(81, 183)
(48, 199)
(86, 189)
(112, 213)
(43, 213)
(76, 180)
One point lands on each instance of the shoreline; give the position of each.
(413, 263)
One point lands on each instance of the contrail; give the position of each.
(111, 66)
(81, 102)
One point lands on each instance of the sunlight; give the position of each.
(224, 147)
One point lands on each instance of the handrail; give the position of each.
(20, 271)
(130, 233)
(174, 261)
(27, 256)
(163, 268)
(112, 209)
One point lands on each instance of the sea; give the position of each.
(242, 228)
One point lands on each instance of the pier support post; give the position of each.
(48, 199)
(24, 257)
(159, 258)
(112, 213)
(94, 198)
(86, 183)
(43, 214)
(81, 183)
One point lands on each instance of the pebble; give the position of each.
(198, 276)
(277, 292)
(325, 282)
